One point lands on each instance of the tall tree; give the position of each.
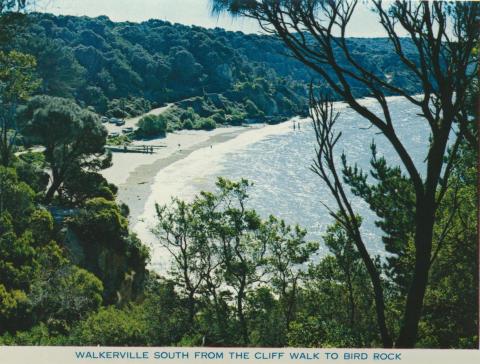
(287, 252)
(178, 232)
(444, 35)
(73, 138)
(17, 82)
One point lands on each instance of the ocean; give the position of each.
(277, 160)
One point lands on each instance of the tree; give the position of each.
(73, 138)
(62, 296)
(11, 5)
(81, 186)
(17, 82)
(242, 251)
(451, 302)
(111, 326)
(184, 66)
(179, 233)
(443, 35)
(108, 250)
(223, 254)
(26, 250)
(11, 18)
(287, 251)
(16, 197)
(60, 72)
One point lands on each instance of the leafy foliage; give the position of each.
(114, 66)
(153, 125)
(73, 138)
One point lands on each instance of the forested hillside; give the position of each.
(72, 272)
(121, 69)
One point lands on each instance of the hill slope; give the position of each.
(121, 69)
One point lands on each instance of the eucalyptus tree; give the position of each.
(443, 36)
(178, 230)
(74, 138)
(287, 253)
(222, 253)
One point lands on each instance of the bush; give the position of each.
(101, 218)
(83, 185)
(252, 109)
(128, 107)
(187, 124)
(236, 118)
(153, 125)
(37, 335)
(205, 124)
(64, 296)
(219, 117)
(112, 327)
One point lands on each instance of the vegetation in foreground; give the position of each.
(71, 272)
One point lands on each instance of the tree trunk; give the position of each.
(219, 315)
(52, 189)
(423, 244)
(387, 341)
(5, 157)
(240, 314)
(5, 151)
(191, 308)
(351, 300)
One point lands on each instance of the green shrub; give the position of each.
(187, 124)
(205, 124)
(112, 327)
(153, 125)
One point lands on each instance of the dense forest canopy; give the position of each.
(99, 62)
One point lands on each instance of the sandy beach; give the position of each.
(134, 173)
(146, 179)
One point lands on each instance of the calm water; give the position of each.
(284, 185)
(279, 166)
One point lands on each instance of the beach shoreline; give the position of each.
(146, 179)
(134, 173)
(188, 162)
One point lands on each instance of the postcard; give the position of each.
(205, 181)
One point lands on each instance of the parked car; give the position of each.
(126, 130)
(120, 122)
(113, 134)
(104, 119)
(116, 121)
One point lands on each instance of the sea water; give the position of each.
(277, 160)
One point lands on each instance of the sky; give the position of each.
(189, 12)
